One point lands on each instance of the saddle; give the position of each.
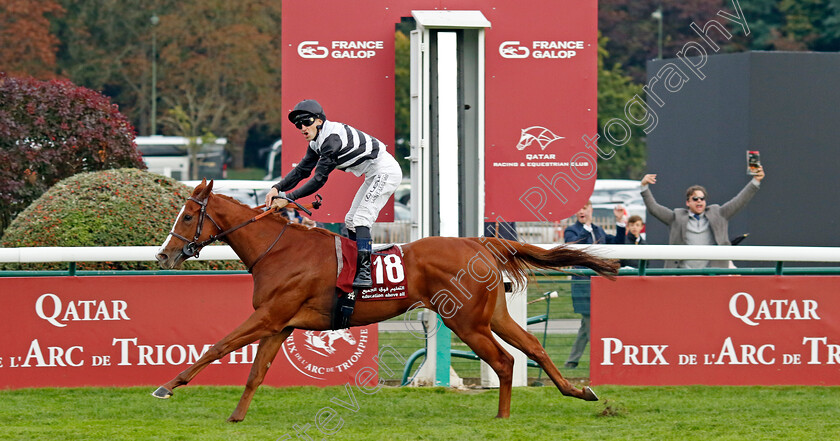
(387, 272)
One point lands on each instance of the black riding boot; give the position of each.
(363, 243)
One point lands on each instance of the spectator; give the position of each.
(635, 225)
(292, 214)
(585, 232)
(699, 224)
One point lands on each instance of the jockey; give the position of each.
(335, 145)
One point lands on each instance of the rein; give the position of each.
(257, 260)
(193, 247)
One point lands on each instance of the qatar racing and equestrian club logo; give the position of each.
(321, 354)
(539, 134)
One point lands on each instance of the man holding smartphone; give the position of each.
(699, 223)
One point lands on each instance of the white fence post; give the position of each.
(517, 303)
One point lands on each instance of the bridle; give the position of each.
(193, 247)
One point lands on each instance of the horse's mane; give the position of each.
(277, 217)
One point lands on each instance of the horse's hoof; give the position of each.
(589, 394)
(162, 393)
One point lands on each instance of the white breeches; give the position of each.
(381, 181)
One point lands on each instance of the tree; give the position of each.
(402, 106)
(807, 25)
(26, 45)
(106, 45)
(187, 125)
(52, 130)
(615, 90)
(792, 25)
(222, 66)
(218, 61)
(632, 33)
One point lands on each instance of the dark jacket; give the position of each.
(577, 234)
(630, 239)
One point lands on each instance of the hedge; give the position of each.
(51, 130)
(122, 207)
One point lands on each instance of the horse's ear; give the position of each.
(206, 189)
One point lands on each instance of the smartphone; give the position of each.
(753, 162)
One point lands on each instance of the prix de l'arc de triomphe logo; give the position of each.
(320, 354)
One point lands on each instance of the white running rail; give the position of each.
(643, 252)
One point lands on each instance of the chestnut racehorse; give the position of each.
(294, 287)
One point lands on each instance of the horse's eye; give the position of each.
(187, 217)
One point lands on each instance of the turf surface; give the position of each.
(538, 413)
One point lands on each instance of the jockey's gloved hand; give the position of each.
(276, 199)
(279, 202)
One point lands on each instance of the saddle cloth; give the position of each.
(387, 271)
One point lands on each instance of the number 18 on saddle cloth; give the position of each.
(387, 271)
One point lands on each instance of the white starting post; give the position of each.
(447, 159)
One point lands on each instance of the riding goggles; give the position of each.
(304, 121)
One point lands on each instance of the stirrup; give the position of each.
(344, 310)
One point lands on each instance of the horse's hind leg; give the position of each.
(254, 328)
(481, 341)
(508, 330)
(265, 354)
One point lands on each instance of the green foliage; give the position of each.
(788, 25)
(402, 105)
(185, 125)
(807, 25)
(124, 207)
(615, 90)
(53, 130)
(633, 33)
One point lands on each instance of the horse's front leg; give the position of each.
(257, 326)
(265, 354)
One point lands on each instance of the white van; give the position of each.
(610, 192)
(616, 191)
(170, 156)
(176, 167)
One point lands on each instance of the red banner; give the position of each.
(144, 330)
(736, 330)
(541, 89)
(540, 94)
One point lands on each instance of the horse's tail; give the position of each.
(518, 259)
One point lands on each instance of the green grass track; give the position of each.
(538, 413)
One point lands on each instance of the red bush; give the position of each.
(52, 130)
